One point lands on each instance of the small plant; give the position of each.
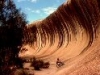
(38, 64)
(46, 65)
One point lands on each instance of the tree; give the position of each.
(12, 24)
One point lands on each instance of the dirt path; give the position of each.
(49, 71)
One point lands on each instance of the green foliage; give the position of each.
(12, 24)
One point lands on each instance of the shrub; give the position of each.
(38, 64)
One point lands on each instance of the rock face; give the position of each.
(71, 33)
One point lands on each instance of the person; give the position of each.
(58, 60)
(59, 63)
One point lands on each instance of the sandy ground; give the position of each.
(49, 71)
